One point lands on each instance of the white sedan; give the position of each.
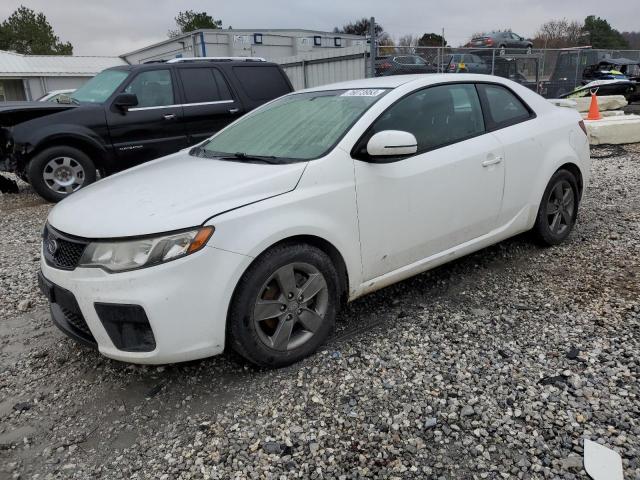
(253, 239)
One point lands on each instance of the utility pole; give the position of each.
(441, 59)
(373, 47)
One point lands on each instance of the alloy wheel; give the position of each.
(291, 306)
(63, 175)
(560, 207)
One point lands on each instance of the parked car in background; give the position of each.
(467, 63)
(56, 96)
(403, 64)
(130, 114)
(502, 41)
(252, 239)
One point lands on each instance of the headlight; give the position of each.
(118, 256)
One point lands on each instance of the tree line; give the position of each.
(28, 32)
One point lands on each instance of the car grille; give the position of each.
(62, 251)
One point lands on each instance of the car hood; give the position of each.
(13, 113)
(174, 192)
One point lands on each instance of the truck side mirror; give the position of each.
(124, 101)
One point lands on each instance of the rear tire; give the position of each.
(558, 209)
(284, 306)
(57, 172)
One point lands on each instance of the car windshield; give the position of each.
(100, 87)
(300, 126)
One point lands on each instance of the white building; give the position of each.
(27, 77)
(271, 44)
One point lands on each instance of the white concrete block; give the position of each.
(608, 102)
(615, 130)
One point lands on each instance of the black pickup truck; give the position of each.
(128, 115)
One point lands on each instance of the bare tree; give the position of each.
(633, 38)
(406, 45)
(559, 34)
(386, 46)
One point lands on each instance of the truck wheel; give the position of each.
(57, 172)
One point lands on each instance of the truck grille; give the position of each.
(61, 251)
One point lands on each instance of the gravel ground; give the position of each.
(494, 366)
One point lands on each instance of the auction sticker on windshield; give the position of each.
(363, 92)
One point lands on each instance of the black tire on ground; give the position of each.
(39, 170)
(558, 209)
(260, 284)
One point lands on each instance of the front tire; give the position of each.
(284, 306)
(558, 209)
(57, 172)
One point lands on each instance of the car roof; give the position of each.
(194, 63)
(395, 81)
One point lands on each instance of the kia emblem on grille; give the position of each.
(52, 246)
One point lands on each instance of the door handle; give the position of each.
(169, 116)
(492, 161)
(233, 111)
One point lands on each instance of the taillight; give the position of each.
(386, 65)
(489, 41)
(583, 127)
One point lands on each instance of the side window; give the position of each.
(261, 83)
(503, 107)
(223, 88)
(203, 85)
(437, 116)
(153, 88)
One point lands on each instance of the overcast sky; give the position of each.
(114, 27)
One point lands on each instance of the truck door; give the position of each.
(154, 127)
(209, 103)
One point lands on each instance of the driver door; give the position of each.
(154, 127)
(450, 192)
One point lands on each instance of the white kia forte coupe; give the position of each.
(252, 239)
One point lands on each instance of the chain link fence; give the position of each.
(552, 73)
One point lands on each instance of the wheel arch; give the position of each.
(95, 152)
(576, 172)
(322, 244)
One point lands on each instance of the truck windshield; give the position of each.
(100, 87)
(301, 126)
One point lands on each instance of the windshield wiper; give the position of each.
(260, 158)
(238, 156)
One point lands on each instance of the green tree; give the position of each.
(29, 33)
(188, 21)
(359, 27)
(431, 40)
(602, 35)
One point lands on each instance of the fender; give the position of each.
(322, 196)
(80, 126)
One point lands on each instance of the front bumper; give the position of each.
(185, 302)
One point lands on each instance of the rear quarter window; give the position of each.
(261, 83)
(502, 107)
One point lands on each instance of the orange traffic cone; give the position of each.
(594, 111)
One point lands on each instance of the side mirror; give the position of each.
(392, 143)
(125, 101)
